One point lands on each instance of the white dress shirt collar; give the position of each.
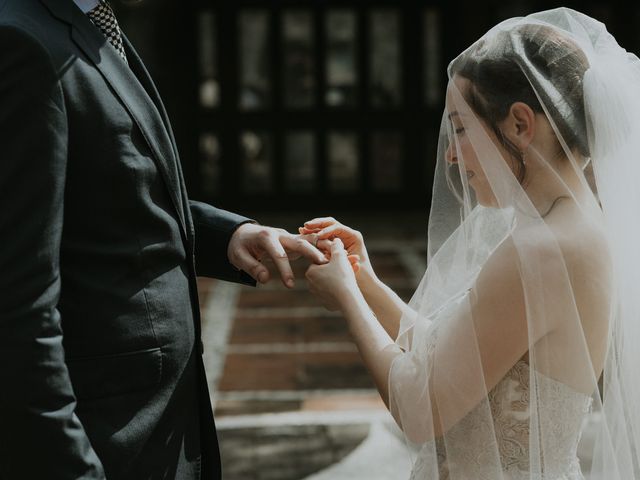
(86, 5)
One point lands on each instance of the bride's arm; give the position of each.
(475, 349)
(385, 304)
(337, 285)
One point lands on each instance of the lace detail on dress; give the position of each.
(472, 441)
(509, 402)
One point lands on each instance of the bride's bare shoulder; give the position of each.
(584, 246)
(573, 249)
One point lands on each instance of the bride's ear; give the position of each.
(520, 124)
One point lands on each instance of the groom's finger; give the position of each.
(333, 230)
(324, 245)
(243, 260)
(312, 238)
(275, 250)
(305, 246)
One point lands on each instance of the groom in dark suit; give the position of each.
(100, 353)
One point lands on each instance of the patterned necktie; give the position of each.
(103, 17)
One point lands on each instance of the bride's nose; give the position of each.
(451, 154)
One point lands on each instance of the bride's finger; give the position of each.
(355, 262)
(334, 231)
(320, 222)
(306, 231)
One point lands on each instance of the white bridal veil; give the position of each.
(531, 297)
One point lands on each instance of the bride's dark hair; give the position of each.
(506, 69)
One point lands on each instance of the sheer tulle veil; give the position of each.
(558, 213)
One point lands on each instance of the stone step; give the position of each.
(317, 326)
(289, 446)
(381, 456)
(270, 401)
(294, 371)
(265, 298)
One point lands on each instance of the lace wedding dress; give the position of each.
(509, 404)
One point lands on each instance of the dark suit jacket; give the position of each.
(97, 240)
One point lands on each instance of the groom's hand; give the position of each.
(251, 243)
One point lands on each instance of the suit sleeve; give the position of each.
(213, 230)
(40, 435)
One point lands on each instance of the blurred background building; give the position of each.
(287, 109)
(317, 104)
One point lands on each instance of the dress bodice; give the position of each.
(472, 441)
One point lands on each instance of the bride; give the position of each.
(532, 287)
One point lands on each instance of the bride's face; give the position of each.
(465, 125)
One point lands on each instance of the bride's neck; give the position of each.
(545, 184)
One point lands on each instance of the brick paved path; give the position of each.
(269, 350)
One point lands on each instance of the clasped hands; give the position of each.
(336, 253)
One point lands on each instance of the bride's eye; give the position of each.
(459, 130)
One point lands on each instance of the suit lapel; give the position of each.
(141, 73)
(130, 92)
(138, 68)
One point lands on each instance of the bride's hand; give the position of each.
(328, 228)
(334, 281)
